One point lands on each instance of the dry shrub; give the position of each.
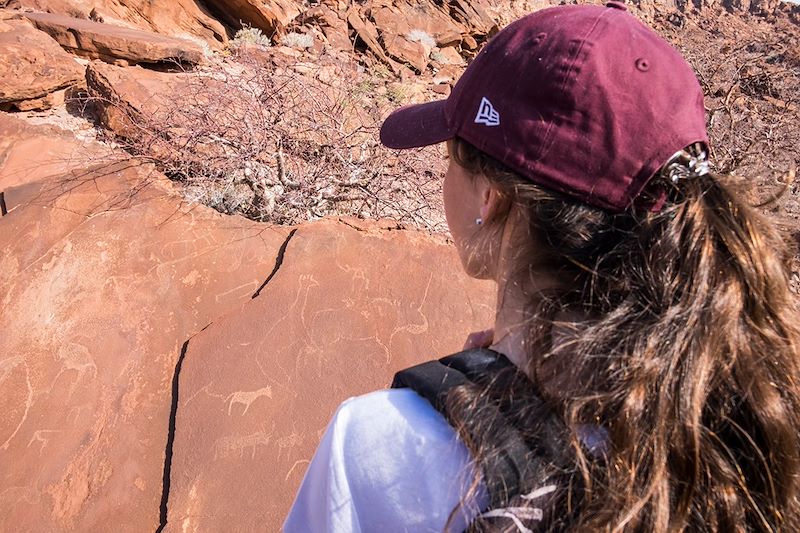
(287, 143)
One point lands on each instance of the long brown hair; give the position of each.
(686, 358)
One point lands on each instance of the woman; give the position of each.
(642, 370)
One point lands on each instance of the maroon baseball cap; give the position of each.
(584, 100)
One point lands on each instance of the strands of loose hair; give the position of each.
(686, 355)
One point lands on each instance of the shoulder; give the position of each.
(396, 440)
(393, 414)
(388, 461)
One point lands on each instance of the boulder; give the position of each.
(104, 274)
(410, 31)
(124, 97)
(31, 153)
(350, 305)
(138, 106)
(447, 56)
(366, 31)
(474, 16)
(176, 18)
(269, 16)
(116, 44)
(332, 26)
(34, 68)
(415, 54)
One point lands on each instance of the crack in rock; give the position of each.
(3, 209)
(278, 263)
(173, 413)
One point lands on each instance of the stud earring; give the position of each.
(479, 221)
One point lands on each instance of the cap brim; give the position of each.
(416, 125)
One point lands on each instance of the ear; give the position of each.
(490, 200)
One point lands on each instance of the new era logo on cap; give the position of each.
(487, 114)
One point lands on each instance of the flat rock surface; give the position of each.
(103, 276)
(347, 308)
(33, 65)
(110, 43)
(31, 153)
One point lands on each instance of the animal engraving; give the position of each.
(226, 446)
(247, 398)
(75, 357)
(6, 366)
(42, 437)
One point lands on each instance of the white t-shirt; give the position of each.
(389, 462)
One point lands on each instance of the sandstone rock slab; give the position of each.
(176, 18)
(111, 43)
(104, 275)
(347, 308)
(33, 66)
(30, 153)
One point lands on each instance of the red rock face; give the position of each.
(104, 275)
(347, 308)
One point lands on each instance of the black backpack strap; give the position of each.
(511, 460)
(431, 380)
(478, 364)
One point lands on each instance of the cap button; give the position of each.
(617, 5)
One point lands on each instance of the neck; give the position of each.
(518, 293)
(519, 296)
(513, 317)
(509, 327)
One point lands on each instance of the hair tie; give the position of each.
(687, 165)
